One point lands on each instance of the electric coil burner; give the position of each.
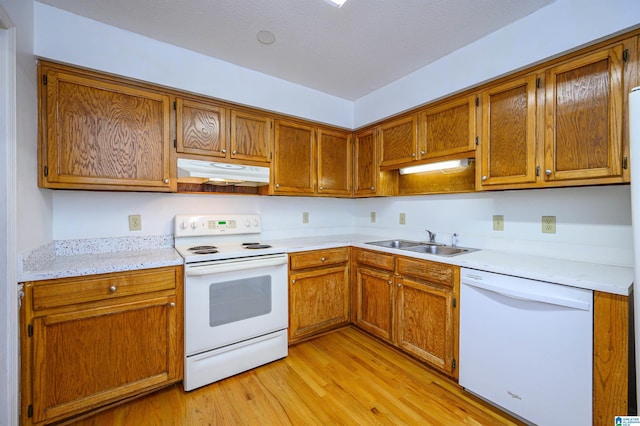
(236, 303)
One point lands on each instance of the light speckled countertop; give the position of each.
(110, 255)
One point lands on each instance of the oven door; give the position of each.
(229, 301)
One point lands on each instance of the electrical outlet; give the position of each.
(135, 222)
(373, 217)
(305, 217)
(403, 219)
(548, 224)
(498, 222)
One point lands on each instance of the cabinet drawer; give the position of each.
(69, 291)
(376, 259)
(439, 273)
(313, 259)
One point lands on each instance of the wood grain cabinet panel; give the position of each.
(334, 163)
(508, 151)
(319, 292)
(426, 322)
(95, 351)
(101, 134)
(365, 171)
(583, 117)
(375, 302)
(293, 167)
(251, 136)
(448, 128)
(398, 139)
(201, 128)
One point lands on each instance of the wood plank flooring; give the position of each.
(343, 377)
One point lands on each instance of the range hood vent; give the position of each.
(214, 173)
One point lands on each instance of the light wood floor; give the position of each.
(344, 377)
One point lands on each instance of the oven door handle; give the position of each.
(239, 264)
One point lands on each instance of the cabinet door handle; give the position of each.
(224, 151)
(413, 154)
(422, 152)
(321, 188)
(112, 289)
(399, 285)
(172, 304)
(547, 172)
(373, 188)
(293, 281)
(389, 282)
(166, 180)
(234, 152)
(277, 185)
(484, 178)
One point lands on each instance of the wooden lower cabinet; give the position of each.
(88, 342)
(410, 303)
(319, 294)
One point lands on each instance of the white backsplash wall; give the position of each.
(86, 214)
(592, 223)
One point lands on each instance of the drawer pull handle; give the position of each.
(112, 289)
(323, 259)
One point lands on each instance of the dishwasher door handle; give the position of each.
(541, 297)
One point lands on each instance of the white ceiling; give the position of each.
(347, 52)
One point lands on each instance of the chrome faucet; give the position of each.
(432, 236)
(454, 239)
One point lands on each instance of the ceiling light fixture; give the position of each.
(336, 3)
(443, 165)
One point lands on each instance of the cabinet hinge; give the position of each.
(477, 101)
(46, 171)
(625, 55)
(477, 140)
(455, 302)
(538, 83)
(45, 80)
(625, 163)
(30, 411)
(537, 170)
(30, 330)
(175, 143)
(175, 105)
(271, 156)
(453, 364)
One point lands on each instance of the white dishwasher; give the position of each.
(527, 346)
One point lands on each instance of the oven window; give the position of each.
(236, 300)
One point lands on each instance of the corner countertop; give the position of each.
(591, 276)
(587, 275)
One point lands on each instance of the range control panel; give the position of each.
(202, 225)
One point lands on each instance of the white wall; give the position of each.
(559, 27)
(66, 37)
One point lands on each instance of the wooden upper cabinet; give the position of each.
(398, 139)
(293, 164)
(365, 172)
(200, 128)
(508, 141)
(448, 128)
(251, 136)
(583, 117)
(334, 163)
(96, 133)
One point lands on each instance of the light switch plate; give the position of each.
(498, 222)
(548, 224)
(305, 217)
(135, 222)
(403, 219)
(373, 217)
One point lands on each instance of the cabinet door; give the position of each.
(583, 117)
(87, 358)
(98, 134)
(334, 163)
(318, 300)
(398, 140)
(375, 309)
(251, 136)
(508, 141)
(426, 322)
(294, 171)
(200, 128)
(448, 128)
(365, 171)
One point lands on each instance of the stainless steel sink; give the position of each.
(397, 244)
(440, 250)
(418, 247)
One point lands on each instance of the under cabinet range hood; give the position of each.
(214, 173)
